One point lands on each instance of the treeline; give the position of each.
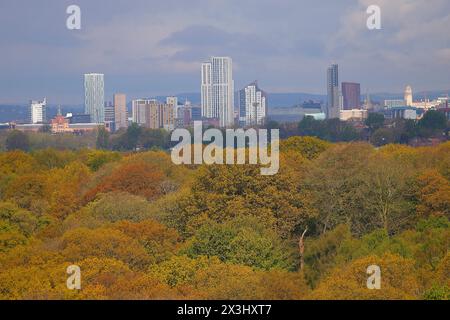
(376, 129)
(142, 228)
(17, 140)
(133, 138)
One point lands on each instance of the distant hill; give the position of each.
(285, 100)
(275, 99)
(291, 99)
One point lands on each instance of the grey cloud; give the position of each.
(157, 45)
(202, 40)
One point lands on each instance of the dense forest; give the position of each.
(140, 227)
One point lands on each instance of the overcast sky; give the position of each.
(149, 47)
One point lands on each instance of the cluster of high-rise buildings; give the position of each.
(219, 106)
(168, 115)
(217, 96)
(217, 103)
(152, 114)
(113, 114)
(148, 113)
(343, 100)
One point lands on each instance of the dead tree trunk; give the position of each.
(301, 247)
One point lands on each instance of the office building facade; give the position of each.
(109, 112)
(120, 111)
(152, 114)
(394, 103)
(94, 96)
(138, 110)
(351, 95)
(217, 90)
(38, 112)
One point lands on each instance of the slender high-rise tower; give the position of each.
(206, 90)
(120, 111)
(333, 104)
(94, 96)
(218, 90)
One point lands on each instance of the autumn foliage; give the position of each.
(141, 227)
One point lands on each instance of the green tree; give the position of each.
(132, 136)
(335, 179)
(48, 158)
(432, 123)
(389, 191)
(311, 127)
(154, 138)
(17, 140)
(26, 222)
(308, 147)
(98, 158)
(128, 140)
(375, 121)
(244, 241)
(382, 136)
(102, 138)
(320, 253)
(437, 293)
(220, 193)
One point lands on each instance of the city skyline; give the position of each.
(217, 98)
(294, 41)
(318, 97)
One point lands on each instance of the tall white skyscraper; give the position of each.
(94, 96)
(252, 105)
(38, 111)
(218, 90)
